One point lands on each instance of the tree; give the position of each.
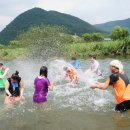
(92, 37)
(119, 33)
(87, 37)
(97, 37)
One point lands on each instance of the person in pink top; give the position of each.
(41, 85)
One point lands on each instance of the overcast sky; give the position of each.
(92, 11)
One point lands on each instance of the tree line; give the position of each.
(118, 33)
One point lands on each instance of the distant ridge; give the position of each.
(38, 16)
(109, 26)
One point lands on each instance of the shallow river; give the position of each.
(69, 107)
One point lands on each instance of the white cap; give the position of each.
(117, 64)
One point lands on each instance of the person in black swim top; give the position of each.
(14, 88)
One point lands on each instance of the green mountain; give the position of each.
(38, 16)
(109, 26)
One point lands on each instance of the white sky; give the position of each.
(92, 11)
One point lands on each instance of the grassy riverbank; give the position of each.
(80, 50)
(46, 41)
(10, 53)
(104, 48)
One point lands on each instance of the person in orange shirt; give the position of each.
(71, 74)
(121, 86)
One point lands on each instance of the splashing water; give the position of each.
(65, 95)
(67, 104)
(76, 96)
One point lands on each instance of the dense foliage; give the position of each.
(37, 16)
(89, 37)
(119, 33)
(104, 48)
(10, 52)
(43, 42)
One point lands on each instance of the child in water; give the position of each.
(14, 88)
(95, 66)
(41, 85)
(3, 73)
(71, 74)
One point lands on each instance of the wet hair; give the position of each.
(44, 71)
(93, 56)
(15, 76)
(1, 64)
(73, 58)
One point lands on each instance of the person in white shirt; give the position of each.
(95, 66)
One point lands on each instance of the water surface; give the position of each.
(69, 107)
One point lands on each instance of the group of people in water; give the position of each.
(14, 86)
(71, 73)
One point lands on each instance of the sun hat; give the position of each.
(117, 64)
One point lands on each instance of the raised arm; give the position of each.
(5, 72)
(100, 85)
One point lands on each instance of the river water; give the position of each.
(69, 107)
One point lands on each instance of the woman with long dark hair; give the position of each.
(41, 85)
(14, 88)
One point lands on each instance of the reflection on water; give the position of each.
(69, 107)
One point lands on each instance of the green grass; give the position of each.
(80, 50)
(104, 48)
(53, 41)
(8, 53)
